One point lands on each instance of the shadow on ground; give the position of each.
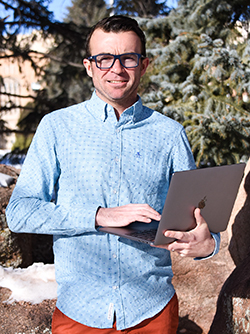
(187, 326)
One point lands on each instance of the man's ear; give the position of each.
(88, 67)
(144, 65)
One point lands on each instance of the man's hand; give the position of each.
(126, 214)
(195, 243)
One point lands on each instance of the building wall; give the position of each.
(19, 78)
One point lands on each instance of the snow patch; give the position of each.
(33, 284)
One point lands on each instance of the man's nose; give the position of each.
(117, 66)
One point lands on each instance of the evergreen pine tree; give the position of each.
(200, 76)
(87, 12)
(65, 80)
(141, 8)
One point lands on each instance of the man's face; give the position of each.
(117, 85)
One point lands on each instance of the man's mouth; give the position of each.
(117, 81)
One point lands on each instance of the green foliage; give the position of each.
(87, 12)
(22, 143)
(199, 72)
(201, 79)
(61, 66)
(141, 8)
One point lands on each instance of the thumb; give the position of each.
(198, 217)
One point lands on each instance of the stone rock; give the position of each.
(20, 250)
(10, 254)
(233, 307)
(198, 284)
(239, 224)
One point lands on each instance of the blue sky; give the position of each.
(59, 7)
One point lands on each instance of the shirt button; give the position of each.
(116, 159)
(114, 191)
(114, 256)
(115, 287)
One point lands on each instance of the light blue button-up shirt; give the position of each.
(93, 160)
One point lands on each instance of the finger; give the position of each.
(126, 214)
(179, 236)
(182, 251)
(174, 247)
(149, 211)
(145, 212)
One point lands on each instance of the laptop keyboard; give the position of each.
(146, 234)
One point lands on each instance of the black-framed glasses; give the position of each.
(104, 61)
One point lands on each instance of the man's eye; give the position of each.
(132, 57)
(129, 58)
(105, 58)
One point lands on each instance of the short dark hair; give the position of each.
(116, 24)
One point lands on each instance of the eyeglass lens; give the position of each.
(128, 60)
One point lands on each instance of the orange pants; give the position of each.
(165, 322)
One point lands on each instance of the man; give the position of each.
(110, 161)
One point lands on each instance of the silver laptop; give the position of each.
(212, 189)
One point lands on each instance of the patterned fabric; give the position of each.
(164, 322)
(89, 159)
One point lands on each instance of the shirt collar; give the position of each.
(103, 110)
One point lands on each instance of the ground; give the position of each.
(25, 318)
